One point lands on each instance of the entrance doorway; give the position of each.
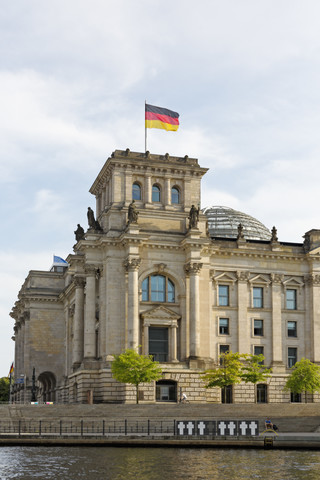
(166, 391)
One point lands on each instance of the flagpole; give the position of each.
(145, 128)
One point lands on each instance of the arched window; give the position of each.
(136, 191)
(155, 193)
(175, 195)
(158, 288)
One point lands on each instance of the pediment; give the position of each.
(160, 313)
(260, 278)
(225, 277)
(293, 282)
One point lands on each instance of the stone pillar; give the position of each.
(244, 333)
(277, 353)
(173, 343)
(167, 199)
(90, 313)
(132, 268)
(78, 326)
(148, 189)
(192, 269)
(314, 286)
(146, 338)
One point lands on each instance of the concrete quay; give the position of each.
(299, 424)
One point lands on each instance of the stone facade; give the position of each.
(159, 281)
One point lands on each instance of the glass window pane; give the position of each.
(158, 288)
(291, 299)
(155, 193)
(258, 327)
(170, 291)
(175, 195)
(224, 326)
(158, 343)
(292, 356)
(136, 191)
(223, 295)
(145, 290)
(292, 329)
(257, 297)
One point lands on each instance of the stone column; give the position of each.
(167, 199)
(146, 326)
(77, 343)
(173, 343)
(244, 333)
(132, 268)
(277, 353)
(90, 313)
(148, 189)
(314, 286)
(192, 269)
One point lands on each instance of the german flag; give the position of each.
(158, 117)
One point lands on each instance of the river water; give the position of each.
(104, 463)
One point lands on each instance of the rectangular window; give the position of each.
(258, 350)
(257, 297)
(224, 326)
(222, 350)
(292, 356)
(291, 299)
(223, 295)
(158, 343)
(258, 328)
(292, 329)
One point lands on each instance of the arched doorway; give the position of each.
(166, 391)
(48, 386)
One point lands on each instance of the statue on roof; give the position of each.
(79, 233)
(132, 213)
(193, 217)
(91, 219)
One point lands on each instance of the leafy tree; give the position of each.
(305, 377)
(253, 370)
(130, 367)
(226, 373)
(4, 389)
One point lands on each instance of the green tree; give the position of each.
(253, 370)
(305, 377)
(130, 367)
(4, 389)
(226, 373)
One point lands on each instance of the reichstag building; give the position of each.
(154, 272)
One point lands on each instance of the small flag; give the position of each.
(11, 370)
(157, 117)
(59, 260)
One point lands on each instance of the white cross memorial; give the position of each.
(181, 426)
(190, 427)
(222, 426)
(232, 428)
(201, 427)
(243, 428)
(253, 427)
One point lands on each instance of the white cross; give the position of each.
(201, 428)
(222, 426)
(243, 428)
(181, 426)
(190, 427)
(232, 427)
(253, 427)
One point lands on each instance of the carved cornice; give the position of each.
(276, 278)
(132, 265)
(193, 268)
(242, 276)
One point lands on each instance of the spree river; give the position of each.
(104, 463)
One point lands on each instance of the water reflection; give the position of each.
(104, 463)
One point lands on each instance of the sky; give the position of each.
(244, 76)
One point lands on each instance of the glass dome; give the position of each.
(224, 221)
